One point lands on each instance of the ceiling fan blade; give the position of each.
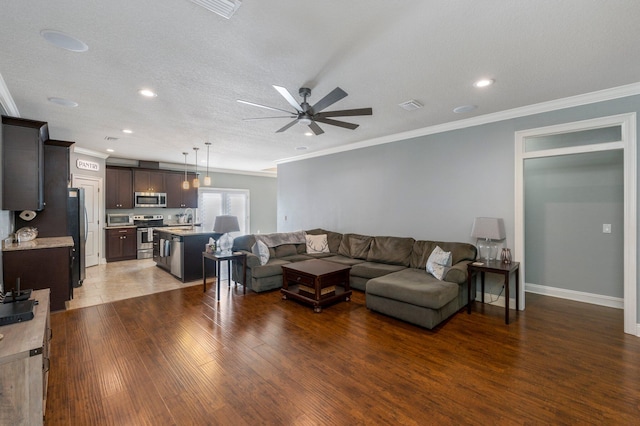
(315, 128)
(264, 106)
(265, 118)
(287, 126)
(285, 94)
(334, 96)
(337, 123)
(345, 113)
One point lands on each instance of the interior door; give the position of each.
(92, 189)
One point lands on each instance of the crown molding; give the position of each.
(6, 100)
(89, 152)
(573, 101)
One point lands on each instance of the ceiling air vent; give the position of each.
(224, 8)
(410, 105)
(110, 138)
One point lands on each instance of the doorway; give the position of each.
(92, 191)
(589, 136)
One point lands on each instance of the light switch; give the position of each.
(606, 228)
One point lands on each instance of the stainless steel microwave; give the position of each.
(150, 199)
(119, 219)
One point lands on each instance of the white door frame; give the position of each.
(100, 212)
(628, 145)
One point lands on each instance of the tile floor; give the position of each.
(123, 280)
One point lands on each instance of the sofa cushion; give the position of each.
(373, 269)
(261, 250)
(439, 262)
(344, 260)
(273, 267)
(285, 250)
(334, 238)
(414, 286)
(355, 246)
(296, 258)
(317, 243)
(422, 250)
(391, 250)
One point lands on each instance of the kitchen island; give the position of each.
(178, 250)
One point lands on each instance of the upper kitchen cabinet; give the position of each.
(119, 188)
(148, 181)
(23, 163)
(178, 197)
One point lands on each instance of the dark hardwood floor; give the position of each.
(179, 358)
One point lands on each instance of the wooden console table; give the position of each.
(219, 257)
(496, 267)
(24, 366)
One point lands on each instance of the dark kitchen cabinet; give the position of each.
(119, 188)
(148, 181)
(23, 163)
(52, 220)
(39, 269)
(178, 197)
(120, 244)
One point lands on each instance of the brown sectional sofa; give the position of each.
(390, 270)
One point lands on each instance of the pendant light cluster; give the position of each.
(196, 181)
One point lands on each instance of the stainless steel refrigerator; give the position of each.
(77, 228)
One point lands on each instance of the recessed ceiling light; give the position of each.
(464, 108)
(110, 150)
(301, 148)
(484, 82)
(63, 102)
(127, 131)
(64, 41)
(147, 93)
(308, 133)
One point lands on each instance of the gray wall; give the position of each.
(428, 187)
(567, 200)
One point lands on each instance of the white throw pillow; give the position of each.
(317, 243)
(261, 250)
(439, 262)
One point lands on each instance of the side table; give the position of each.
(220, 257)
(496, 267)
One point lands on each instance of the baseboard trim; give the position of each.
(578, 296)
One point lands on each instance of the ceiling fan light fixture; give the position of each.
(306, 121)
(224, 8)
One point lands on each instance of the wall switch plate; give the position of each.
(606, 228)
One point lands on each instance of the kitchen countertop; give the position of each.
(185, 231)
(39, 243)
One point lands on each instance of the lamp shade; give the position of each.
(491, 228)
(224, 224)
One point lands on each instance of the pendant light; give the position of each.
(185, 183)
(207, 178)
(196, 181)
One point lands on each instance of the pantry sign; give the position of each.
(87, 165)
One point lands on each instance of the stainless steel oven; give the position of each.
(145, 224)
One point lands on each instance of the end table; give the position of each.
(220, 257)
(496, 267)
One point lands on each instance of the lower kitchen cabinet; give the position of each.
(120, 244)
(24, 366)
(40, 264)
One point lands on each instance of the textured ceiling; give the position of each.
(381, 52)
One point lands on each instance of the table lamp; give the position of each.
(488, 230)
(223, 225)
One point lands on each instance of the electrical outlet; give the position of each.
(606, 228)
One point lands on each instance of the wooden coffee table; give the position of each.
(316, 282)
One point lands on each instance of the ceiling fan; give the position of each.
(312, 115)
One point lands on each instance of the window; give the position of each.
(215, 202)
